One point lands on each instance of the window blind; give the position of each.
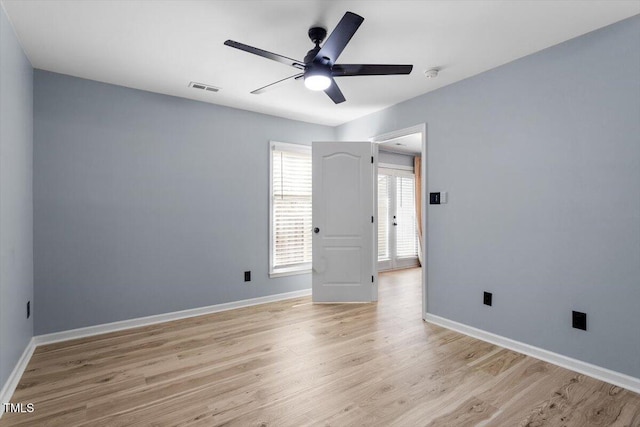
(406, 238)
(383, 217)
(291, 215)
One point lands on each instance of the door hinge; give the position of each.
(371, 279)
(371, 219)
(372, 159)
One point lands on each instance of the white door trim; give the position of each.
(422, 129)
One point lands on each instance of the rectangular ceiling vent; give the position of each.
(203, 86)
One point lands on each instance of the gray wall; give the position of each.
(16, 206)
(395, 158)
(146, 204)
(541, 159)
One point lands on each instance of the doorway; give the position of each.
(401, 215)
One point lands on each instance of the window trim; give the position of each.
(396, 172)
(288, 271)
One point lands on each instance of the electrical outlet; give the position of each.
(579, 320)
(247, 276)
(488, 298)
(28, 309)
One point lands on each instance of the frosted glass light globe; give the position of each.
(317, 82)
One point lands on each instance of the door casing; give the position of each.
(419, 128)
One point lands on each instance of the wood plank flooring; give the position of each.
(292, 363)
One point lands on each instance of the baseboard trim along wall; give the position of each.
(160, 318)
(621, 380)
(12, 382)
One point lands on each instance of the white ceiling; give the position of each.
(161, 46)
(408, 144)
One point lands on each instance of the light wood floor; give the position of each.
(292, 363)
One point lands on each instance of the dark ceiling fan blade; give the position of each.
(339, 38)
(275, 84)
(266, 54)
(335, 93)
(340, 70)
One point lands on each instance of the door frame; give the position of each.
(422, 129)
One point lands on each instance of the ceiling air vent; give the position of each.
(203, 86)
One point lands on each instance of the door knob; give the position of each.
(316, 230)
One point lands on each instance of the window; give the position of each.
(383, 217)
(290, 204)
(397, 227)
(407, 232)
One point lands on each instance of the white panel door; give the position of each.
(344, 268)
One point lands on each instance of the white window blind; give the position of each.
(383, 217)
(406, 239)
(290, 208)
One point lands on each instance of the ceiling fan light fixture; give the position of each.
(316, 81)
(319, 67)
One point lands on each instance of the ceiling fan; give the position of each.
(319, 68)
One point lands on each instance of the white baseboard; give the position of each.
(603, 374)
(13, 380)
(159, 318)
(622, 380)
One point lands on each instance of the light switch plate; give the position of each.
(438, 198)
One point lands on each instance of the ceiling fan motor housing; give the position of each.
(310, 55)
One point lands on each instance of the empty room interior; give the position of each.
(336, 213)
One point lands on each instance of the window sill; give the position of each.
(284, 273)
